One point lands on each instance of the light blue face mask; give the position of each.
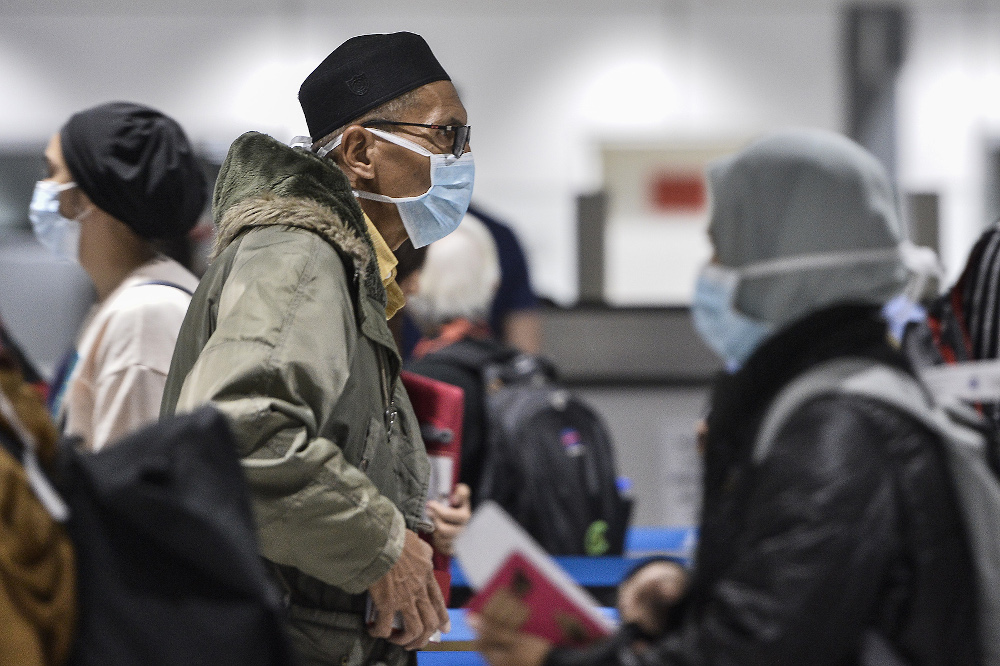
(60, 235)
(437, 212)
(735, 336)
(732, 335)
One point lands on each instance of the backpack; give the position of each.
(969, 445)
(166, 552)
(549, 460)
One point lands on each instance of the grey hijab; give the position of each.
(801, 193)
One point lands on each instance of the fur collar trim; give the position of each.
(269, 210)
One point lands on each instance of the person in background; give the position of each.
(844, 544)
(120, 177)
(455, 288)
(963, 324)
(287, 336)
(514, 312)
(38, 581)
(513, 316)
(404, 331)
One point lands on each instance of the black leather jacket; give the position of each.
(843, 547)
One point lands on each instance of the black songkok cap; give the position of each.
(136, 164)
(363, 73)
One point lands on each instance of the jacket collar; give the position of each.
(263, 182)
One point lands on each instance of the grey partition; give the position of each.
(646, 371)
(607, 345)
(42, 301)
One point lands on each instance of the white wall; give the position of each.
(949, 100)
(545, 83)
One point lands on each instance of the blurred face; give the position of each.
(73, 201)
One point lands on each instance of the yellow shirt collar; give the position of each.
(387, 271)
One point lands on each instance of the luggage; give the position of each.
(549, 460)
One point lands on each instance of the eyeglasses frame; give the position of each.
(458, 146)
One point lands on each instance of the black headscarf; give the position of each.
(137, 165)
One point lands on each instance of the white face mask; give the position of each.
(60, 235)
(437, 212)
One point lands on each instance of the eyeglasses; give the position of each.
(462, 132)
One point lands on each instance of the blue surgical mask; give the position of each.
(437, 212)
(60, 235)
(730, 333)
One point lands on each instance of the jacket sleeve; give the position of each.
(811, 557)
(276, 364)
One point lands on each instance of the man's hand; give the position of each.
(499, 639)
(645, 598)
(451, 519)
(409, 588)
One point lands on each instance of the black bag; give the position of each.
(549, 460)
(167, 559)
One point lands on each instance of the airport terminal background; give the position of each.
(593, 123)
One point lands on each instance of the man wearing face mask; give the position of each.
(121, 176)
(830, 529)
(287, 335)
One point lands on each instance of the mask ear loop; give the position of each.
(391, 138)
(923, 264)
(323, 151)
(62, 187)
(86, 213)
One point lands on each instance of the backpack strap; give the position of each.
(46, 493)
(468, 355)
(164, 283)
(825, 379)
(867, 379)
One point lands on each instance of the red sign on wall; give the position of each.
(678, 192)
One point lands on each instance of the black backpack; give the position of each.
(166, 552)
(549, 460)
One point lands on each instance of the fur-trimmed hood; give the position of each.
(264, 183)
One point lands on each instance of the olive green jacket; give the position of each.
(286, 334)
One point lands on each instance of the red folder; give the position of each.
(439, 408)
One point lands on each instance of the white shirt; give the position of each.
(124, 353)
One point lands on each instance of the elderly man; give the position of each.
(287, 335)
(830, 531)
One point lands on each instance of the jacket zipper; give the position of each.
(387, 399)
(390, 412)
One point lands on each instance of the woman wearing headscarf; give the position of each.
(120, 177)
(843, 545)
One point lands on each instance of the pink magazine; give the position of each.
(545, 609)
(506, 566)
